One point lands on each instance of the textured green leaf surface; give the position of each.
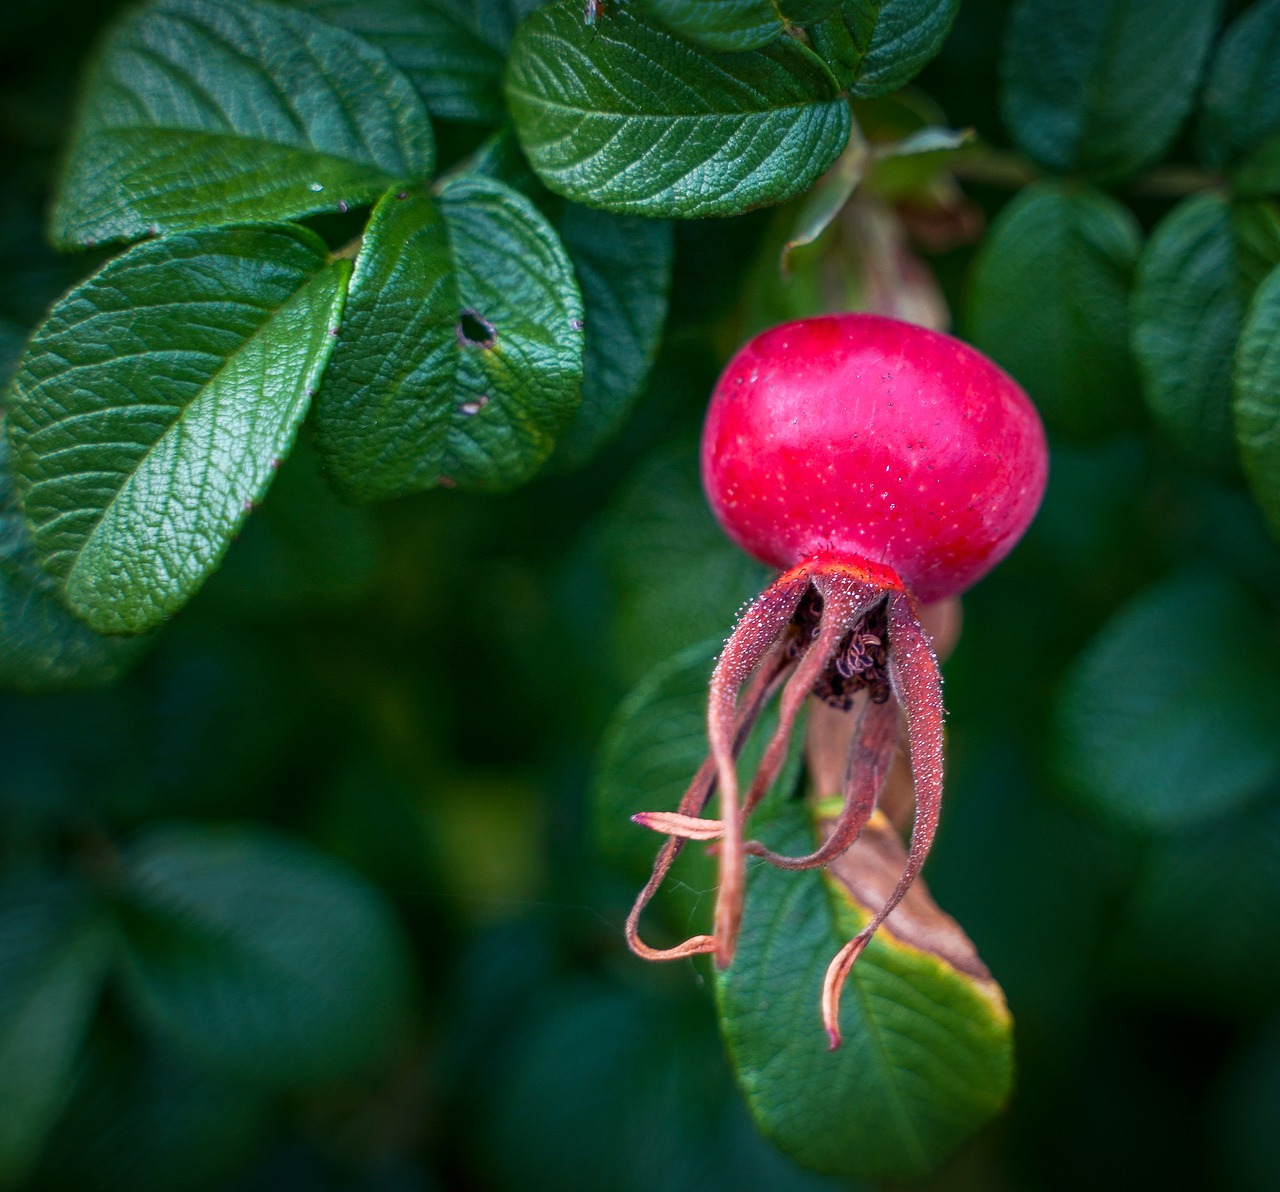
(1151, 735)
(1257, 400)
(877, 46)
(623, 265)
(927, 1054)
(257, 955)
(1049, 300)
(626, 116)
(461, 355)
(152, 408)
(1103, 87)
(1241, 105)
(735, 24)
(1191, 293)
(42, 646)
(451, 50)
(54, 950)
(207, 112)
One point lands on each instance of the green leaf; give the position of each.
(1257, 397)
(877, 46)
(677, 578)
(54, 951)
(1259, 174)
(1148, 732)
(42, 646)
(285, 115)
(1191, 293)
(152, 408)
(259, 956)
(451, 50)
(927, 1055)
(1103, 88)
(143, 1118)
(625, 116)
(1220, 886)
(1049, 300)
(1241, 105)
(736, 24)
(303, 552)
(623, 264)
(461, 356)
(828, 198)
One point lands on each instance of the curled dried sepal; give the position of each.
(849, 633)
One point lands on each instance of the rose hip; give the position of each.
(877, 464)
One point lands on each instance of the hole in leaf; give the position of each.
(476, 331)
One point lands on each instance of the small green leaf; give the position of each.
(828, 198)
(150, 411)
(284, 114)
(54, 950)
(625, 116)
(259, 956)
(450, 50)
(1150, 734)
(736, 24)
(1259, 174)
(1257, 400)
(1103, 88)
(1049, 300)
(927, 1056)
(461, 356)
(877, 46)
(1191, 293)
(1241, 105)
(42, 646)
(623, 264)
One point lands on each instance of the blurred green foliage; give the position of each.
(316, 895)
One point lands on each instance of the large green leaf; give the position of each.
(54, 950)
(1103, 87)
(623, 264)
(257, 955)
(207, 112)
(152, 408)
(451, 50)
(1218, 885)
(1191, 292)
(1049, 299)
(1151, 734)
(1241, 106)
(42, 646)
(927, 1055)
(145, 1118)
(736, 24)
(677, 578)
(1257, 400)
(877, 46)
(625, 116)
(461, 355)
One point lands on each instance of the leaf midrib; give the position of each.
(303, 150)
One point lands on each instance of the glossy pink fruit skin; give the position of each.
(863, 436)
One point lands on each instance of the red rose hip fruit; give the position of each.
(878, 463)
(867, 437)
